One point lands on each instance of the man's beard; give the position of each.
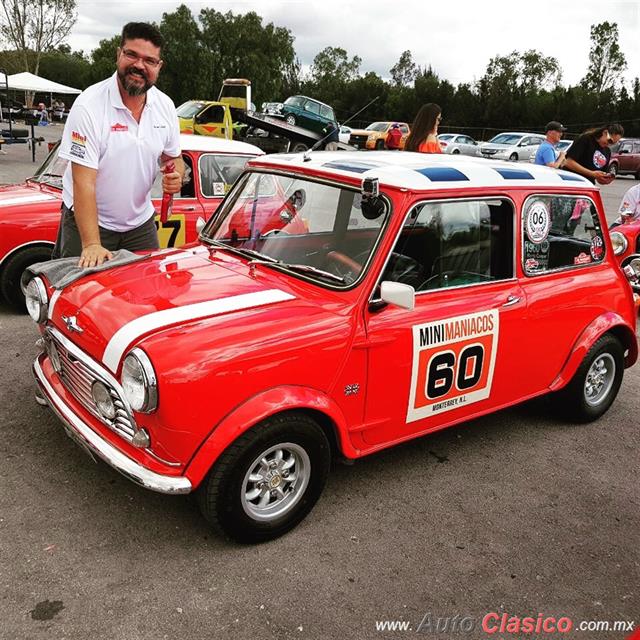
(131, 86)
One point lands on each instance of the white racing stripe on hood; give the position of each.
(124, 336)
(41, 197)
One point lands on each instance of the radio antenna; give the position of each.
(306, 156)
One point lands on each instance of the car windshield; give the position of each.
(52, 169)
(505, 138)
(295, 101)
(189, 109)
(377, 126)
(312, 229)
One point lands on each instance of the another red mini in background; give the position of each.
(336, 305)
(30, 212)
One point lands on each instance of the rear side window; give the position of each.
(560, 232)
(454, 243)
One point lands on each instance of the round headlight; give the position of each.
(635, 265)
(103, 400)
(619, 242)
(139, 382)
(36, 299)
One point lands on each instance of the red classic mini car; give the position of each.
(396, 296)
(30, 212)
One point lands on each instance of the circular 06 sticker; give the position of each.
(537, 222)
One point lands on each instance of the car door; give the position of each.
(180, 227)
(625, 158)
(635, 153)
(211, 122)
(311, 116)
(460, 350)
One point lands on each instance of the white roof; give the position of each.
(26, 81)
(192, 142)
(423, 171)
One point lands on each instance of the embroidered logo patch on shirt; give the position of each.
(119, 127)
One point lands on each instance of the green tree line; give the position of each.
(521, 90)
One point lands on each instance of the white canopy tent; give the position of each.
(26, 81)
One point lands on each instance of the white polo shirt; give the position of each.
(101, 134)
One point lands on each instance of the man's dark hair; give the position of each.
(142, 31)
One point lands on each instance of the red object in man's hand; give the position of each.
(167, 198)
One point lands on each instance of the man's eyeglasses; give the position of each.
(132, 56)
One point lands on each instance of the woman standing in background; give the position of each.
(424, 130)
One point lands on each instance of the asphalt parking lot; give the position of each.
(516, 512)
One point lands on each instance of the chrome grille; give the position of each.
(78, 377)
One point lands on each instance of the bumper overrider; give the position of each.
(82, 433)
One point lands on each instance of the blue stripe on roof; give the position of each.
(443, 174)
(564, 176)
(514, 174)
(355, 167)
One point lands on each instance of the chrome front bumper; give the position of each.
(87, 438)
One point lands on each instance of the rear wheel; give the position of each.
(13, 269)
(379, 145)
(596, 383)
(268, 480)
(299, 147)
(455, 152)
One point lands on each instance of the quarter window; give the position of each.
(447, 244)
(560, 232)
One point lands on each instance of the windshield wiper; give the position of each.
(257, 254)
(304, 268)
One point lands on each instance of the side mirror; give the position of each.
(200, 223)
(399, 294)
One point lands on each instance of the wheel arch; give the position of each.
(609, 322)
(45, 244)
(279, 400)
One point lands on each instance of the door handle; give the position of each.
(188, 208)
(511, 300)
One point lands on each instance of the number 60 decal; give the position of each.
(453, 363)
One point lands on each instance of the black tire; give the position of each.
(613, 169)
(513, 157)
(12, 272)
(578, 401)
(455, 152)
(17, 133)
(222, 496)
(290, 119)
(299, 147)
(379, 145)
(637, 175)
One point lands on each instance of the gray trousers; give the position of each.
(68, 244)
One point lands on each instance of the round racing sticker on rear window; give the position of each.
(537, 222)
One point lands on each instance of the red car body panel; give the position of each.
(223, 370)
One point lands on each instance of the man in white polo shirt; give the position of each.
(118, 135)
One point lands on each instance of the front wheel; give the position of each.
(613, 169)
(290, 119)
(380, 145)
(268, 480)
(513, 157)
(596, 383)
(12, 273)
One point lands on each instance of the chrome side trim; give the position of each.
(87, 437)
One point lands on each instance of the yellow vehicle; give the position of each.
(236, 92)
(374, 136)
(206, 118)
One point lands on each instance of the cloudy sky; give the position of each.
(456, 37)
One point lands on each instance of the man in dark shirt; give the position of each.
(589, 155)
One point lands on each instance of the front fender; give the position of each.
(607, 322)
(258, 408)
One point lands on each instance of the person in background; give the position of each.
(118, 134)
(629, 209)
(424, 130)
(589, 155)
(331, 136)
(394, 137)
(43, 114)
(547, 154)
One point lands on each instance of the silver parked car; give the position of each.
(512, 146)
(455, 143)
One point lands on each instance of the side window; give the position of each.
(219, 172)
(625, 148)
(560, 232)
(326, 112)
(448, 244)
(214, 113)
(636, 147)
(311, 106)
(404, 128)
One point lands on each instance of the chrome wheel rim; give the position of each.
(275, 481)
(599, 380)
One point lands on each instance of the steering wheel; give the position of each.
(342, 265)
